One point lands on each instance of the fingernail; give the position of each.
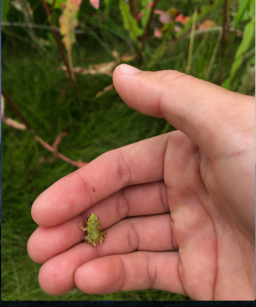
(128, 69)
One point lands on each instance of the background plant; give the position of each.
(64, 97)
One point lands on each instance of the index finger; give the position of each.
(137, 163)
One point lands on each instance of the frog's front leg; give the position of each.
(102, 236)
(89, 241)
(80, 226)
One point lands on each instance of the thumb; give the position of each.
(198, 108)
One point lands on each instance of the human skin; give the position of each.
(190, 190)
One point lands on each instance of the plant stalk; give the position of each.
(191, 44)
(223, 40)
(39, 140)
(144, 38)
(57, 39)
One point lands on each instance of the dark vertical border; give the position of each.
(1, 152)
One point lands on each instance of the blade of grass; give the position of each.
(191, 44)
(223, 40)
(213, 55)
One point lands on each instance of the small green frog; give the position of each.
(93, 237)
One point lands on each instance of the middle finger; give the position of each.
(144, 199)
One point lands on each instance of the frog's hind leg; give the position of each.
(102, 236)
(80, 226)
(89, 241)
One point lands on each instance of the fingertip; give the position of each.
(30, 248)
(41, 214)
(125, 69)
(34, 212)
(37, 243)
(39, 209)
(100, 276)
(51, 280)
(63, 200)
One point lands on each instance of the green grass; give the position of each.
(39, 89)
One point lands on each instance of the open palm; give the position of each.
(190, 190)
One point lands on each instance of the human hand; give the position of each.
(191, 190)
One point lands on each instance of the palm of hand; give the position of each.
(211, 247)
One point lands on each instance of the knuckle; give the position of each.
(122, 205)
(171, 77)
(163, 196)
(170, 82)
(123, 170)
(132, 237)
(151, 272)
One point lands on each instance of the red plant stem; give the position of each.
(132, 8)
(223, 40)
(57, 39)
(55, 145)
(64, 158)
(15, 109)
(41, 141)
(144, 38)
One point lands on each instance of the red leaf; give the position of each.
(95, 3)
(159, 12)
(157, 33)
(139, 16)
(207, 24)
(182, 19)
(165, 18)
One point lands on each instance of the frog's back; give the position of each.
(93, 227)
(94, 232)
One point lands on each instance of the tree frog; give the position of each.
(93, 237)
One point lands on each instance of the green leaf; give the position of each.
(107, 6)
(57, 3)
(248, 79)
(145, 17)
(68, 22)
(5, 7)
(168, 28)
(241, 50)
(252, 8)
(130, 23)
(144, 3)
(243, 47)
(243, 5)
(226, 84)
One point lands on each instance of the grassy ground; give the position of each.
(38, 88)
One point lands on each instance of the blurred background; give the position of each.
(59, 108)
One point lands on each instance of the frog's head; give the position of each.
(93, 219)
